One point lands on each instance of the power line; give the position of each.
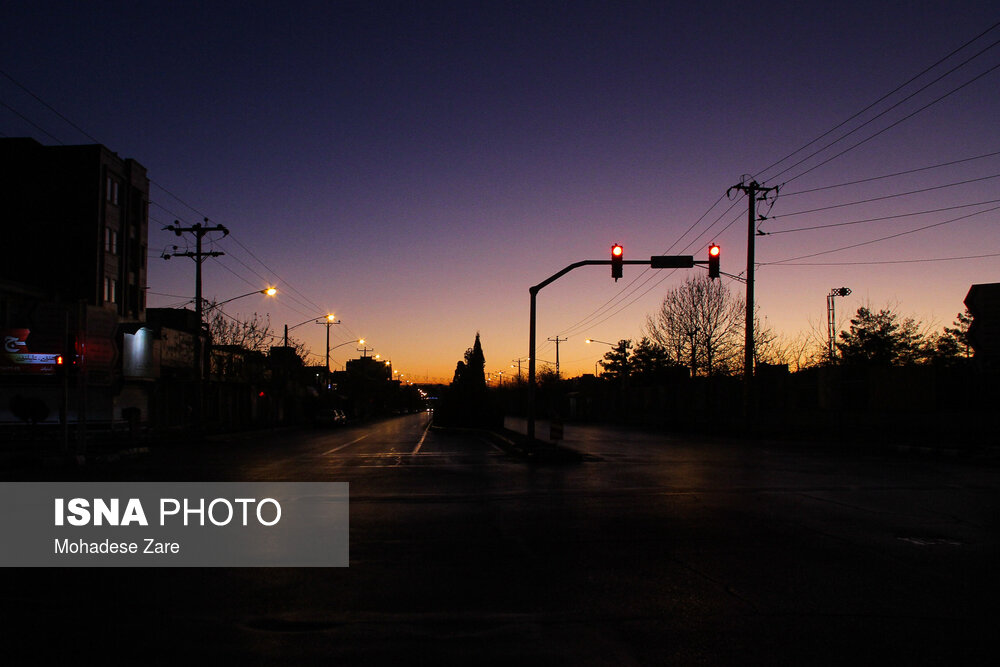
(884, 238)
(305, 300)
(879, 100)
(884, 197)
(50, 108)
(632, 287)
(31, 122)
(891, 261)
(898, 173)
(884, 129)
(884, 217)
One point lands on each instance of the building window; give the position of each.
(112, 191)
(110, 290)
(110, 241)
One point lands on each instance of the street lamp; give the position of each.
(269, 291)
(328, 318)
(602, 342)
(591, 340)
(358, 341)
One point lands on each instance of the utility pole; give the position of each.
(557, 340)
(329, 321)
(364, 352)
(518, 362)
(198, 256)
(755, 192)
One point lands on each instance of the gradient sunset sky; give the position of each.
(414, 167)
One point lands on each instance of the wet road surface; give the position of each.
(653, 550)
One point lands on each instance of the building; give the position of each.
(72, 283)
(77, 221)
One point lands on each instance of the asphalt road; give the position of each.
(652, 550)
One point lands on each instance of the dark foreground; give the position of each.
(651, 550)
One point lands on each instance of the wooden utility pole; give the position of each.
(198, 256)
(754, 192)
(557, 340)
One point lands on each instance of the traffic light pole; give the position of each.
(657, 262)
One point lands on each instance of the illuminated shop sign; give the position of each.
(16, 357)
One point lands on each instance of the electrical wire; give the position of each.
(884, 176)
(887, 128)
(884, 238)
(880, 218)
(880, 100)
(891, 261)
(884, 197)
(31, 122)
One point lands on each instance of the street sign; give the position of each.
(671, 261)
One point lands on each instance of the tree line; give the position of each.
(700, 326)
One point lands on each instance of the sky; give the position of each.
(414, 167)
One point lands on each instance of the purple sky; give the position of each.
(415, 167)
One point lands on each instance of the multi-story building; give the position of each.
(72, 283)
(76, 224)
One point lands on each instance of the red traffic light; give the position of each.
(713, 261)
(713, 250)
(617, 254)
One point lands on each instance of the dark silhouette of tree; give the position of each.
(700, 324)
(650, 360)
(616, 362)
(474, 376)
(252, 333)
(952, 346)
(880, 339)
(459, 373)
(466, 400)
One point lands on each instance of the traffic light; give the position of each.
(616, 261)
(713, 261)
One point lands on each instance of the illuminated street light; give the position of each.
(591, 340)
(358, 341)
(269, 291)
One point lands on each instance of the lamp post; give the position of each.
(200, 362)
(311, 319)
(330, 319)
(358, 341)
(602, 342)
(269, 291)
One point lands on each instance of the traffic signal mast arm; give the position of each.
(586, 262)
(662, 261)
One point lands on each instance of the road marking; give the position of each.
(421, 443)
(337, 449)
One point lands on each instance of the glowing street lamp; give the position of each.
(269, 291)
(591, 340)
